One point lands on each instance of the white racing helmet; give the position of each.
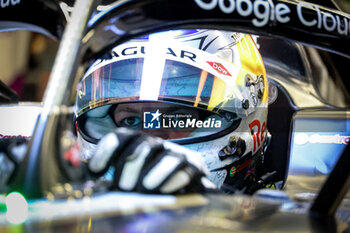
(204, 89)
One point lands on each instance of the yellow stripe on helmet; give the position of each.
(217, 93)
(251, 60)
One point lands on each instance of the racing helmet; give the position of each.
(203, 89)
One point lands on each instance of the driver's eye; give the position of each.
(130, 121)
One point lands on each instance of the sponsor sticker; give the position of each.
(219, 68)
(7, 3)
(264, 12)
(303, 138)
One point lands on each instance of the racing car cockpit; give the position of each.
(267, 78)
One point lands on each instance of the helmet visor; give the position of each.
(180, 73)
(208, 92)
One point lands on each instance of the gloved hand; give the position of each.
(150, 165)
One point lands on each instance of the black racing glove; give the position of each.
(148, 164)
